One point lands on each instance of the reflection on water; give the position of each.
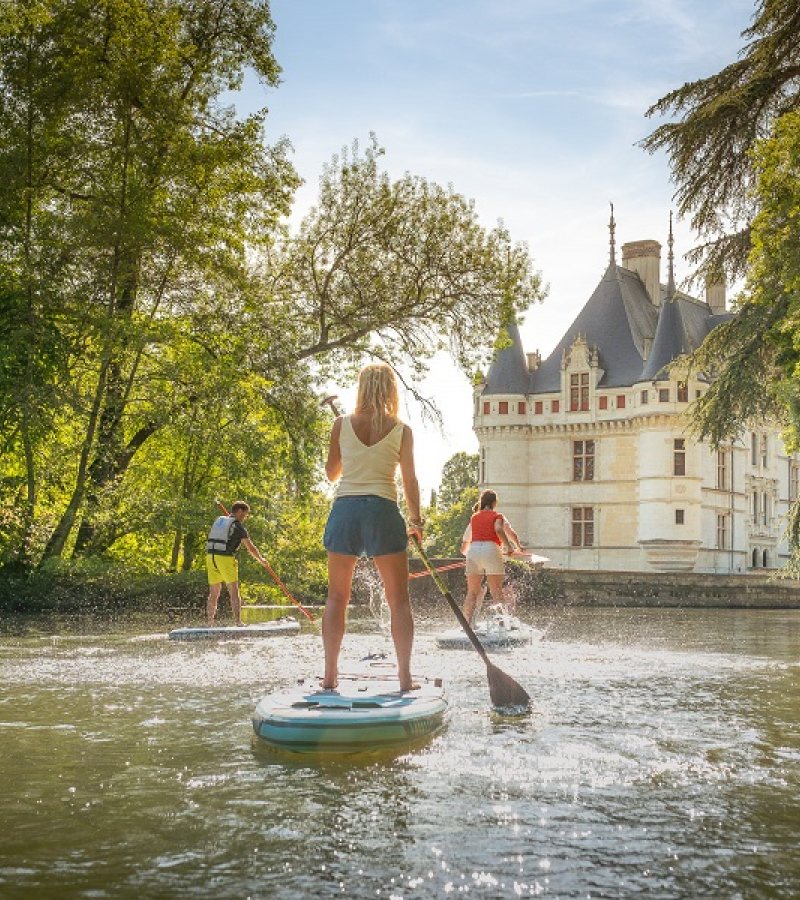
(662, 759)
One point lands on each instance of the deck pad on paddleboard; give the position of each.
(367, 711)
(280, 627)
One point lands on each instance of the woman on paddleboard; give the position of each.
(488, 535)
(365, 450)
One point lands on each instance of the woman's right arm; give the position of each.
(501, 533)
(408, 474)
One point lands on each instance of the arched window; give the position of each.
(766, 559)
(755, 558)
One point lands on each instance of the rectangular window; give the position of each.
(604, 403)
(764, 450)
(503, 407)
(486, 407)
(663, 395)
(683, 392)
(621, 401)
(483, 465)
(537, 407)
(583, 460)
(755, 507)
(555, 405)
(764, 509)
(753, 449)
(582, 526)
(579, 392)
(522, 407)
(722, 469)
(679, 517)
(794, 480)
(679, 456)
(645, 398)
(722, 532)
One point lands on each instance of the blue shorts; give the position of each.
(365, 526)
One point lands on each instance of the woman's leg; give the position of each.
(471, 602)
(393, 569)
(496, 588)
(340, 580)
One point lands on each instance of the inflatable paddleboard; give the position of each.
(285, 626)
(500, 629)
(366, 712)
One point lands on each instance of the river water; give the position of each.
(662, 760)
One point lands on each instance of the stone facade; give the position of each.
(589, 449)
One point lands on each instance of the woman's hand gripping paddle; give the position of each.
(504, 692)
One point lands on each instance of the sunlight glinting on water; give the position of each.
(641, 746)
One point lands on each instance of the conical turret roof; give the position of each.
(508, 373)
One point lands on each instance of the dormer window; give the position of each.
(579, 392)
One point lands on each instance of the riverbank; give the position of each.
(556, 587)
(118, 592)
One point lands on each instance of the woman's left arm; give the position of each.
(333, 464)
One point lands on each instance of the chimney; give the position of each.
(715, 296)
(534, 360)
(644, 258)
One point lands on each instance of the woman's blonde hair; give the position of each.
(377, 391)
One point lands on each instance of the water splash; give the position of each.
(366, 580)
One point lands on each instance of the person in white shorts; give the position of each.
(488, 535)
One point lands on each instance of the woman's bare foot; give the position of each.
(328, 687)
(412, 686)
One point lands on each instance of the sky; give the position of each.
(531, 108)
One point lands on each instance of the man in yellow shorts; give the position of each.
(226, 536)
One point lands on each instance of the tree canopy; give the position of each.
(164, 333)
(719, 120)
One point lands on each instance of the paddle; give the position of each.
(277, 580)
(504, 692)
(457, 565)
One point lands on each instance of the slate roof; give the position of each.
(617, 320)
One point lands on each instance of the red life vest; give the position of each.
(482, 524)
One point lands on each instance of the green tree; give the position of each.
(155, 181)
(457, 495)
(756, 356)
(459, 474)
(726, 151)
(719, 119)
(399, 269)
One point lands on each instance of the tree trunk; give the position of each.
(189, 548)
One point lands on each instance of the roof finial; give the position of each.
(671, 257)
(611, 226)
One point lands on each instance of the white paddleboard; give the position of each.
(285, 626)
(496, 630)
(366, 712)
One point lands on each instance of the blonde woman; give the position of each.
(365, 450)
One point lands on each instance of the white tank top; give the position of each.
(368, 470)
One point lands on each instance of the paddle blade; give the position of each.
(505, 693)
